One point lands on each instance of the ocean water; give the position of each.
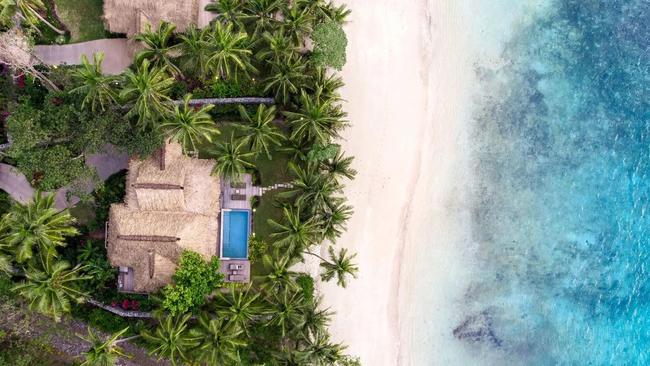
(560, 153)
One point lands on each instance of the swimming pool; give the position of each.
(235, 227)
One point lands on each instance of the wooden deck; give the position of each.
(238, 198)
(242, 275)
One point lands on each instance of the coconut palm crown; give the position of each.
(98, 90)
(189, 126)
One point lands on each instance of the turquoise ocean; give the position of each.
(560, 206)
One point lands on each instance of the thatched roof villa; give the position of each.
(130, 16)
(172, 203)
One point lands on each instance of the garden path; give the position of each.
(205, 17)
(15, 183)
(117, 52)
(107, 162)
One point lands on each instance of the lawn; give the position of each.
(83, 18)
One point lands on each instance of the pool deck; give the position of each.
(242, 201)
(242, 275)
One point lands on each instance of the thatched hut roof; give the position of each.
(141, 230)
(130, 16)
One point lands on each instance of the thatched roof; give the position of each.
(158, 220)
(130, 16)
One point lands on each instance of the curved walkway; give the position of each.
(107, 163)
(14, 182)
(117, 52)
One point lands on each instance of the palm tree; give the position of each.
(335, 13)
(220, 341)
(229, 52)
(238, 306)
(312, 188)
(297, 149)
(147, 89)
(231, 160)
(294, 234)
(98, 90)
(228, 11)
(37, 225)
(340, 166)
(104, 352)
(27, 10)
(51, 288)
(284, 310)
(314, 319)
(279, 276)
(340, 265)
(172, 339)
(318, 120)
(278, 47)
(194, 52)
(318, 350)
(189, 126)
(262, 13)
(297, 22)
(327, 84)
(333, 219)
(158, 47)
(259, 129)
(286, 78)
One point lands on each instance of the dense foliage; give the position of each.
(194, 279)
(255, 48)
(329, 45)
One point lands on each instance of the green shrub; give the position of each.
(103, 275)
(194, 279)
(52, 168)
(329, 45)
(256, 249)
(306, 283)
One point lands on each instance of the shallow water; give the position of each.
(561, 156)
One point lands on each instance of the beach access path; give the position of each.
(118, 54)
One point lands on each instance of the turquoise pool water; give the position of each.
(562, 157)
(235, 231)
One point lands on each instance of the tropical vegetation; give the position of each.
(285, 50)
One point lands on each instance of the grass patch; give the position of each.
(83, 18)
(266, 210)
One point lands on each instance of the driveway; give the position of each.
(117, 53)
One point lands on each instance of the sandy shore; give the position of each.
(405, 102)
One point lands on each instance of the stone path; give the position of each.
(117, 52)
(107, 163)
(205, 17)
(14, 182)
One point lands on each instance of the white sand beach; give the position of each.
(407, 79)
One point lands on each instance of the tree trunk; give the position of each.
(219, 101)
(46, 22)
(318, 256)
(44, 78)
